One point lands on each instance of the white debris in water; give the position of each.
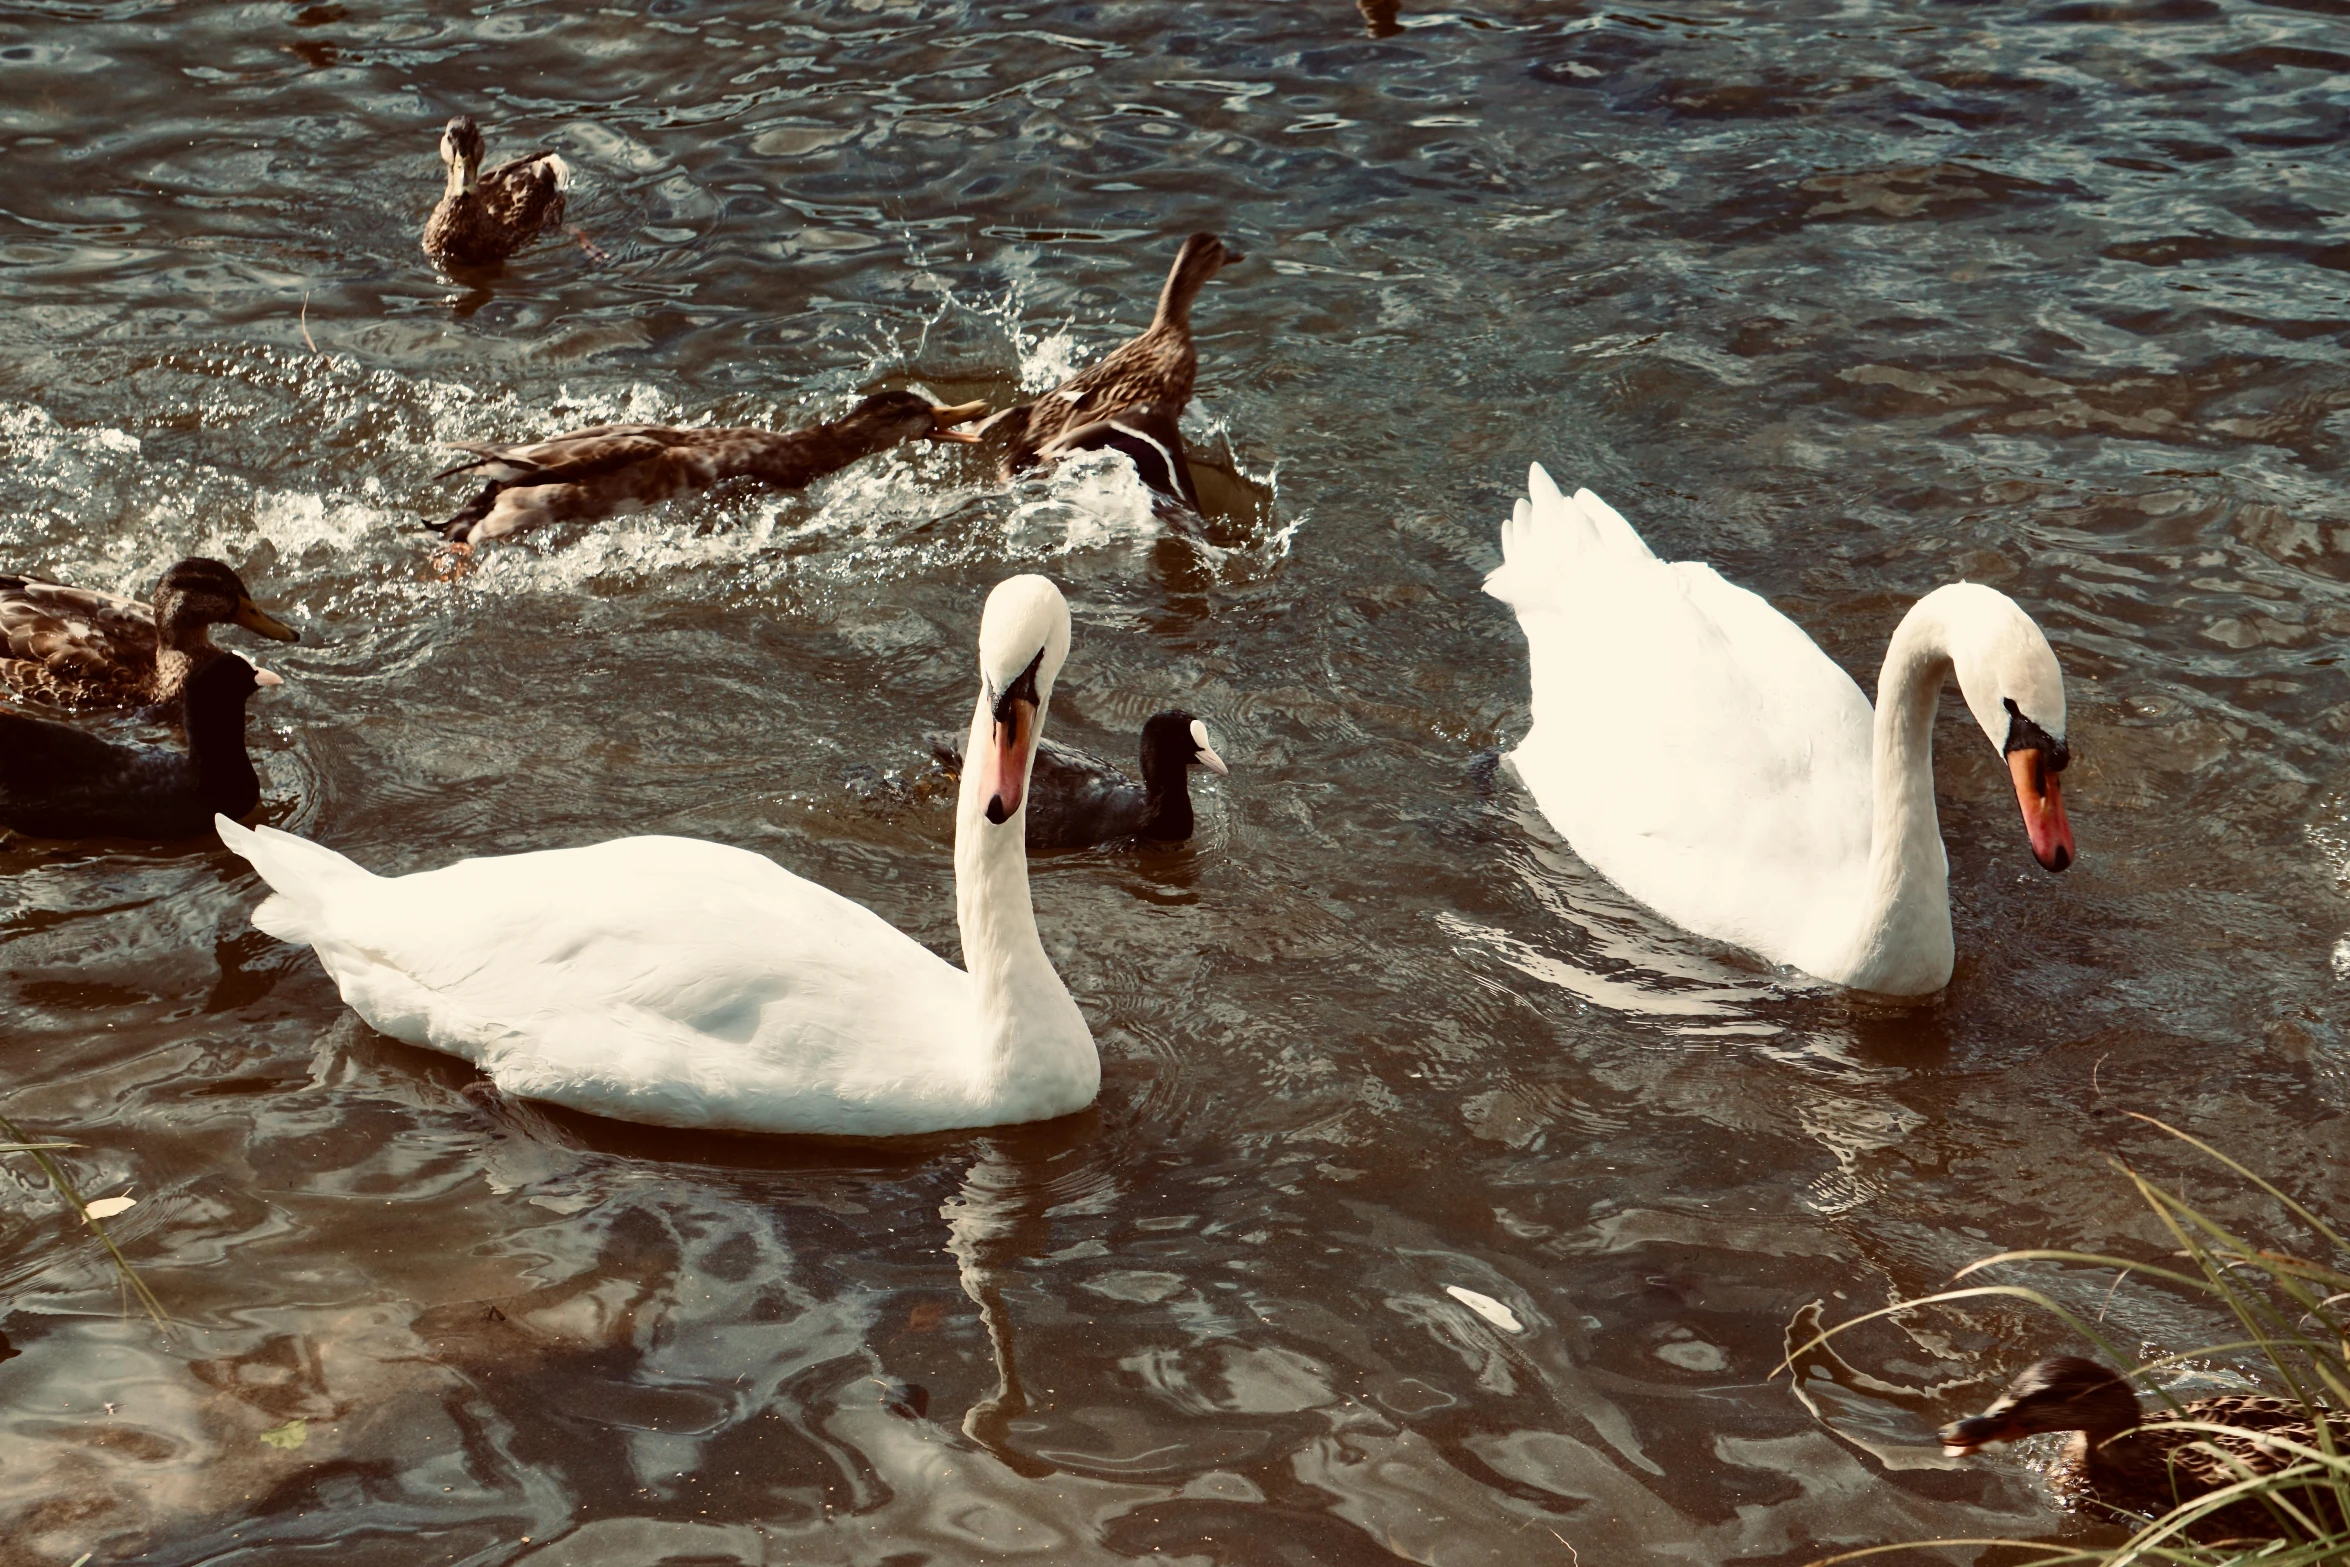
(108, 1207)
(1693, 1355)
(2342, 958)
(1487, 1307)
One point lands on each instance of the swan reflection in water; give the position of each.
(985, 1220)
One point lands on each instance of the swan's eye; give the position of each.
(2023, 734)
(1020, 690)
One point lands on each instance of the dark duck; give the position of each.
(57, 781)
(79, 648)
(1133, 400)
(2142, 1463)
(1076, 800)
(484, 217)
(610, 469)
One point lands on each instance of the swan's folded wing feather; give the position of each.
(666, 979)
(1689, 740)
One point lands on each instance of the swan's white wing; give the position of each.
(662, 979)
(1689, 740)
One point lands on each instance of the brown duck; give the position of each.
(1145, 381)
(2141, 1463)
(80, 648)
(610, 469)
(484, 218)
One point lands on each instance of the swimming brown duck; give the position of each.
(2125, 1458)
(610, 469)
(485, 217)
(80, 648)
(1153, 370)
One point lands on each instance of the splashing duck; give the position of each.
(608, 470)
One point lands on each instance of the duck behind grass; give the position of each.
(2124, 1458)
(81, 649)
(482, 217)
(608, 470)
(57, 781)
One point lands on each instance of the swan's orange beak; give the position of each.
(2038, 792)
(1003, 779)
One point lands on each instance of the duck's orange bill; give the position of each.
(944, 418)
(1003, 777)
(2042, 798)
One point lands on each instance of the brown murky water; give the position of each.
(1848, 299)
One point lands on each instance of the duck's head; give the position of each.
(1201, 258)
(462, 146)
(886, 418)
(2014, 687)
(198, 592)
(1023, 640)
(2063, 1394)
(1177, 738)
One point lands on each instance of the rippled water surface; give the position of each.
(1848, 299)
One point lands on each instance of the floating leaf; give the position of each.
(288, 1436)
(108, 1207)
(1487, 1307)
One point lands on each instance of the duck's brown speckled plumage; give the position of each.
(1155, 368)
(485, 217)
(79, 648)
(609, 469)
(2124, 1457)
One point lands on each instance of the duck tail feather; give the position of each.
(460, 522)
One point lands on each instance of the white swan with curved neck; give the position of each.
(1702, 753)
(685, 983)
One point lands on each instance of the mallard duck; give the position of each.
(2125, 1458)
(1154, 369)
(685, 983)
(80, 648)
(484, 218)
(57, 781)
(1076, 800)
(608, 469)
(1151, 437)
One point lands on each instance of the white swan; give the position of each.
(1699, 751)
(686, 983)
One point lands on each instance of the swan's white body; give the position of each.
(1702, 753)
(685, 983)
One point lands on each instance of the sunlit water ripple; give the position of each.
(1848, 299)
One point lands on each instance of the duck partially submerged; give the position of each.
(79, 648)
(607, 470)
(1144, 384)
(1076, 800)
(483, 217)
(2123, 1457)
(57, 781)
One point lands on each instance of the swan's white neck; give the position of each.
(1905, 941)
(1035, 1056)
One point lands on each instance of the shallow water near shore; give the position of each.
(1440, 1204)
